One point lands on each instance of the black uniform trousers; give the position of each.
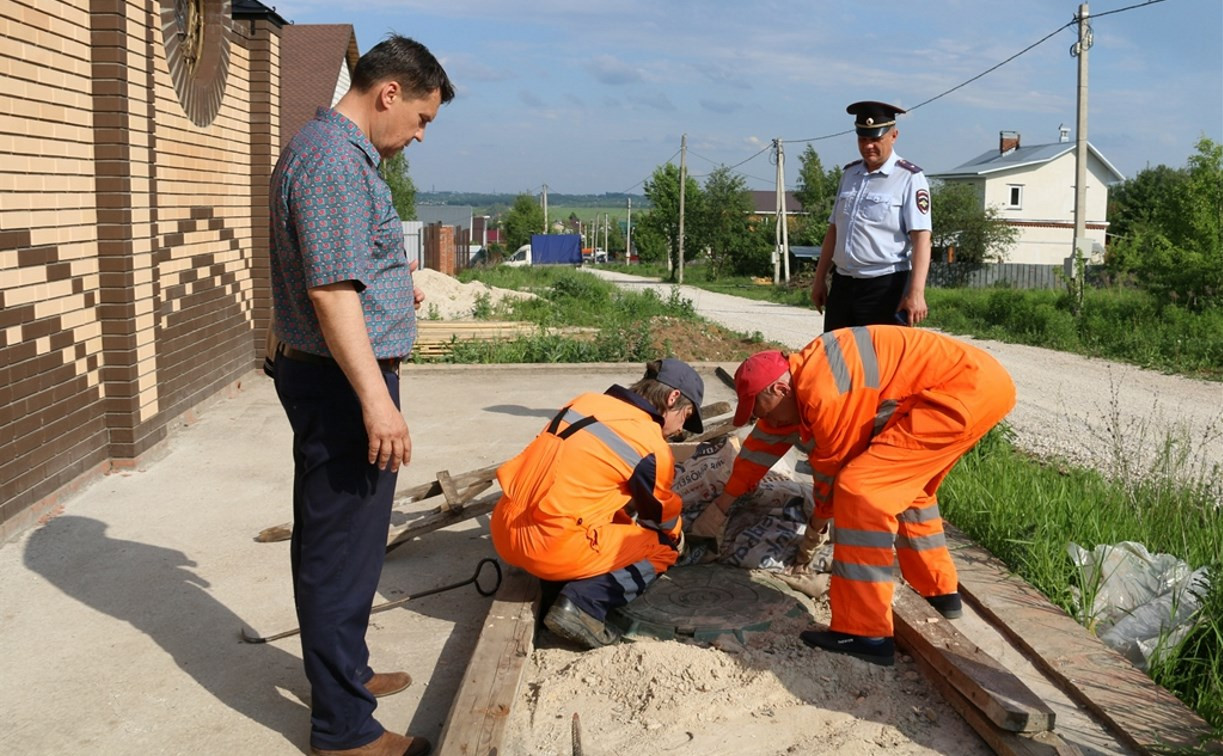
(341, 515)
(865, 301)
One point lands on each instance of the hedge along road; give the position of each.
(1087, 411)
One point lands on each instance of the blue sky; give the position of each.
(590, 97)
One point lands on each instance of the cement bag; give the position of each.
(700, 478)
(1144, 604)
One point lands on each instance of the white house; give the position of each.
(1033, 188)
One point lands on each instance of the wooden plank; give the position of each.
(998, 694)
(473, 483)
(1004, 742)
(439, 518)
(462, 480)
(481, 708)
(1140, 713)
(449, 492)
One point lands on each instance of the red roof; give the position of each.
(310, 60)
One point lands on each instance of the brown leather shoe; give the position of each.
(387, 683)
(387, 744)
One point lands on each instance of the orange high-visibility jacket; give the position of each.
(850, 385)
(591, 494)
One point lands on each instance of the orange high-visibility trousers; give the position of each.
(553, 552)
(884, 500)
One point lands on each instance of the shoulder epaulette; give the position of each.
(908, 166)
(851, 165)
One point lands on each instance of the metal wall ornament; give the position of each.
(196, 35)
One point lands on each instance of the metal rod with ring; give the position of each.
(475, 578)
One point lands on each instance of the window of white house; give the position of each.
(1014, 196)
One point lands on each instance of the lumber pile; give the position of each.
(435, 338)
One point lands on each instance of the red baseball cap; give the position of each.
(757, 373)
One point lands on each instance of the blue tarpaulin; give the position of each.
(556, 249)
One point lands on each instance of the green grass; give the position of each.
(1124, 325)
(1027, 511)
(567, 297)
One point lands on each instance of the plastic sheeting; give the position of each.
(1143, 603)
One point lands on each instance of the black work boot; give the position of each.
(576, 626)
(881, 651)
(948, 605)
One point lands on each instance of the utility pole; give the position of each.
(545, 203)
(1082, 245)
(683, 154)
(606, 231)
(628, 235)
(781, 252)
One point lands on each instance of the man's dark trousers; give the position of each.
(864, 301)
(341, 514)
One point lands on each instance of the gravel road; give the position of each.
(1111, 416)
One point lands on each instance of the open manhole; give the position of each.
(704, 601)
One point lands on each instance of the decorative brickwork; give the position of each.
(133, 234)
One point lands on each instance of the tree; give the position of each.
(524, 218)
(1175, 250)
(817, 191)
(1144, 200)
(726, 220)
(403, 191)
(662, 190)
(978, 234)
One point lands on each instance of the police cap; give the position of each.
(873, 119)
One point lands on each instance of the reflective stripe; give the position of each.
(608, 437)
(822, 478)
(864, 573)
(920, 515)
(873, 539)
(772, 439)
(887, 408)
(866, 352)
(764, 459)
(836, 361)
(790, 439)
(632, 584)
(922, 543)
(667, 526)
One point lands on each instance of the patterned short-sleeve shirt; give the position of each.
(332, 220)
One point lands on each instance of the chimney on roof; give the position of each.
(1063, 133)
(1007, 141)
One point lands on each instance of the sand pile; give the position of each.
(446, 298)
(772, 696)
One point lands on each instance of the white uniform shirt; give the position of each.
(874, 213)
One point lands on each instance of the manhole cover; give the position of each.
(703, 601)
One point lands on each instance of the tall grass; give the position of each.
(1026, 511)
(1125, 325)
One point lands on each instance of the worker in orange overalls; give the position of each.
(883, 413)
(588, 506)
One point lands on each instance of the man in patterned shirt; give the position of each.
(344, 315)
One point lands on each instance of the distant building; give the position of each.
(765, 203)
(1033, 188)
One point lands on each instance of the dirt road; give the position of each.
(1093, 412)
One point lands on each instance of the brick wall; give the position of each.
(133, 279)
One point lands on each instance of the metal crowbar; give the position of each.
(475, 578)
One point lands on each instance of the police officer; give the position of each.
(879, 232)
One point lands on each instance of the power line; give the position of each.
(991, 69)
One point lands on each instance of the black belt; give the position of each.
(386, 363)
